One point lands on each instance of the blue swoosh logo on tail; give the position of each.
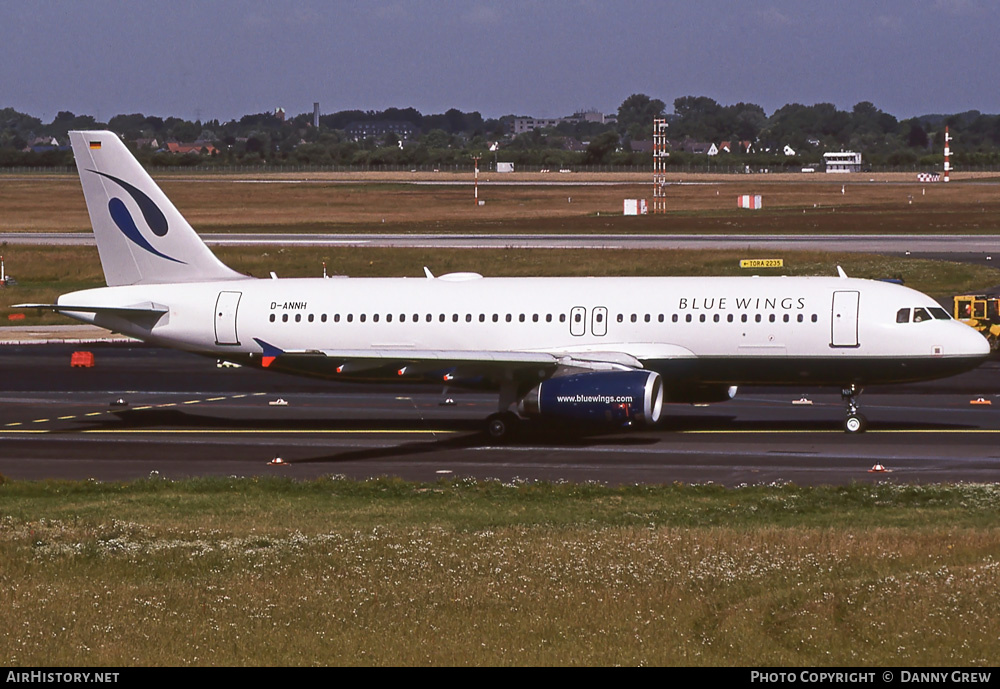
(123, 219)
(150, 211)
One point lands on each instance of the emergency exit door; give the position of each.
(577, 321)
(599, 321)
(225, 318)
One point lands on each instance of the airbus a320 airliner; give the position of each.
(589, 349)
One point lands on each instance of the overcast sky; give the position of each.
(546, 58)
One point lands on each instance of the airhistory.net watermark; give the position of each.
(49, 677)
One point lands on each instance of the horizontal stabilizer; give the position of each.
(148, 308)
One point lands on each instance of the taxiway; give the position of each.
(184, 416)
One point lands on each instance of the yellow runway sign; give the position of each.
(762, 262)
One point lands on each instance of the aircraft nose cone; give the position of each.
(973, 344)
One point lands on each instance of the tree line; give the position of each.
(450, 139)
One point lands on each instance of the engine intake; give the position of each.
(608, 396)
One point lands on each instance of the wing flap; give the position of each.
(412, 364)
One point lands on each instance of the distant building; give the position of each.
(587, 116)
(698, 147)
(360, 131)
(842, 161)
(523, 125)
(571, 144)
(198, 147)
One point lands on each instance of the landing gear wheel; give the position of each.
(855, 423)
(501, 426)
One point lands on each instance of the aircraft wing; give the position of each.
(446, 366)
(457, 366)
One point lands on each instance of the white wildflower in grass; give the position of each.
(465, 572)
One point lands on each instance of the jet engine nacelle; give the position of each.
(602, 396)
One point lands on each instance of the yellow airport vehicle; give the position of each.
(982, 312)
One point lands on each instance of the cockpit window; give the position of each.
(920, 315)
(940, 313)
(903, 316)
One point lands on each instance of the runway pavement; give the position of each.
(917, 244)
(184, 416)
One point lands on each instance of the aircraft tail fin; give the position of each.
(141, 237)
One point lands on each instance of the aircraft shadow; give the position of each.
(528, 433)
(466, 434)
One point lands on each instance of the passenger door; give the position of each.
(225, 318)
(844, 326)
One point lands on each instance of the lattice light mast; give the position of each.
(660, 155)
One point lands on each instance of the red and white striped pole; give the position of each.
(476, 200)
(947, 153)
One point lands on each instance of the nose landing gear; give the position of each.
(855, 421)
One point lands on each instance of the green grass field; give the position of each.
(336, 572)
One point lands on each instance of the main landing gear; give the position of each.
(855, 421)
(502, 425)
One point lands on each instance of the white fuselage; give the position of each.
(717, 330)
